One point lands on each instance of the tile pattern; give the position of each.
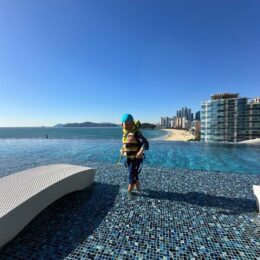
(179, 214)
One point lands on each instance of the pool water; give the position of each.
(19, 154)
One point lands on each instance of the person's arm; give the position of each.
(143, 141)
(145, 145)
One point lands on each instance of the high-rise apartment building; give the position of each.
(197, 116)
(183, 119)
(166, 122)
(178, 113)
(230, 118)
(163, 121)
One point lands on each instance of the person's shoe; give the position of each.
(130, 187)
(137, 185)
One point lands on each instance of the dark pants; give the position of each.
(134, 168)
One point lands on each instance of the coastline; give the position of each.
(252, 141)
(178, 135)
(185, 136)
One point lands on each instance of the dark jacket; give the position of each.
(142, 140)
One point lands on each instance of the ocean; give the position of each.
(23, 148)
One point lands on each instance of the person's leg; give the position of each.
(130, 187)
(130, 167)
(137, 170)
(137, 185)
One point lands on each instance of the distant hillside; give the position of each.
(147, 126)
(91, 124)
(87, 124)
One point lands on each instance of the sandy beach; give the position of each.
(252, 141)
(178, 135)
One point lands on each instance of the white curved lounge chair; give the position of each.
(25, 194)
(256, 189)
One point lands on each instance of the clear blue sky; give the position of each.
(74, 61)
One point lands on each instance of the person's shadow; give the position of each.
(62, 226)
(227, 206)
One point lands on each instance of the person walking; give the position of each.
(134, 145)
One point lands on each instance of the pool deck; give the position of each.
(181, 214)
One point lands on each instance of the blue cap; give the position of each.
(127, 118)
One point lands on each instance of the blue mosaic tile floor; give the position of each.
(178, 214)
